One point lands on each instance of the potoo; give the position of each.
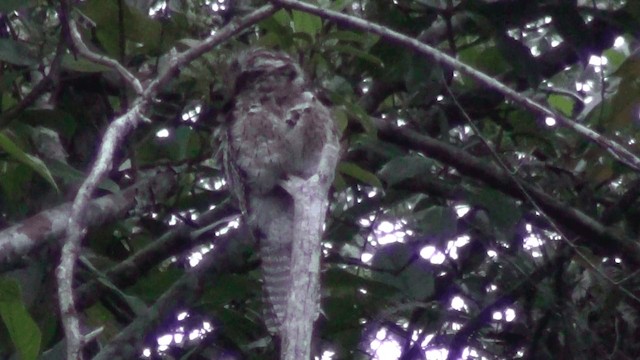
(276, 130)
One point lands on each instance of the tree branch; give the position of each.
(457, 344)
(222, 260)
(24, 237)
(115, 134)
(80, 46)
(617, 150)
(588, 228)
(310, 198)
(180, 238)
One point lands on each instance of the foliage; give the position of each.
(459, 221)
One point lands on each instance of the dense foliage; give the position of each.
(461, 224)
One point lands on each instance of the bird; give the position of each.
(275, 128)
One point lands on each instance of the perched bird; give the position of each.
(276, 129)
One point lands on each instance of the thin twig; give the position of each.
(83, 50)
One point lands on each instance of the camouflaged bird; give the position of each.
(276, 128)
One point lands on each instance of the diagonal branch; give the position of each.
(578, 222)
(615, 149)
(22, 238)
(184, 292)
(180, 238)
(82, 48)
(115, 134)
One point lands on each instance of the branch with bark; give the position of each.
(227, 257)
(114, 136)
(310, 198)
(22, 238)
(567, 217)
(618, 151)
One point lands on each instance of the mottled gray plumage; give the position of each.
(277, 128)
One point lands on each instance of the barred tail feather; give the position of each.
(273, 221)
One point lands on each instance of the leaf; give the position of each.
(363, 118)
(398, 266)
(392, 258)
(347, 36)
(519, 56)
(503, 211)
(33, 162)
(564, 104)
(7, 6)
(615, 58)
(341, 119)
(16, 53)
(152, 285)
(364, 55)
(437, 221)
(227, 288)
(417, 280)
(358, 173)
(187, 143)
(405, 167)
(307, 23)
(23, 331)
(277, 30)
(71, 175)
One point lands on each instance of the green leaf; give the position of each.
(187, 143)
(33, 162)
(503, 211)
(615, 58)
(306, 23)
(564, 104)
(341, 119)
(519, 56)
(71, 175)
(7, 6)
(227, 288)
(152, 285)
(437, 221)
(16, 53)
(23, 331)
(347, 36)
(488, 59)
(361, 54)
(277, 30)
(358, 173)
(363, 118)
(417, 280)
(397, 265)
(405, 167)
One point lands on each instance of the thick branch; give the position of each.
(310, 207)
(22, 238)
